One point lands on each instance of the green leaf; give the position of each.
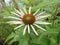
(10, 37)
(16, 38)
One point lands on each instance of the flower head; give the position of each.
(28, 19)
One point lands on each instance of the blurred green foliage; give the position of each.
(51, 37)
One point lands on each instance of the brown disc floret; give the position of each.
(28, 19)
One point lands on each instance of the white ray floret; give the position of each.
(18, 12)
(40, 14)
(18, 26)
(34, 30)
(28, 29)
(36, 12)
(40, 22)
(25, 10)
(39, 27)
(22, 12)
(13, 17)
(24, 31)
(15, 14)
(40, 17)
(14, 22)
(29, 10)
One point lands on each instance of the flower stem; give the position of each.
(29, 39)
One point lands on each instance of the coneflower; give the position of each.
(28, 20)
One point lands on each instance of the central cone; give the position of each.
(28, 19)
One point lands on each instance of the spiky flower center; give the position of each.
(28, 19)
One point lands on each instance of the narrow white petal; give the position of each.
(39, 27)
(24, 31)
(28, 29)
(13, 17)
(40, 22)
(29, 10)
(18, 26)
(22, 12)
(25, 10)
(40, 17)
(36, 12)
(15, 14)
(40, 14)
(34, 30)
(18, 12)
(14, 22)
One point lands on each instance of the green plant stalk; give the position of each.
(15, 4)
(48, 39)
(58, 38)
(29, 39)
(53, 16)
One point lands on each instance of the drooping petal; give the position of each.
(22, 12)
(40, 14)
(15, 22)
(18, 26)
(36, 12)
(39, 27)
(15, 14)
(25, 10)
(18, 12)
(34, 30)
(29, 10)
(40, 17)
(24, 31)
(13, 17)
(40, 22)
(28, 29)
